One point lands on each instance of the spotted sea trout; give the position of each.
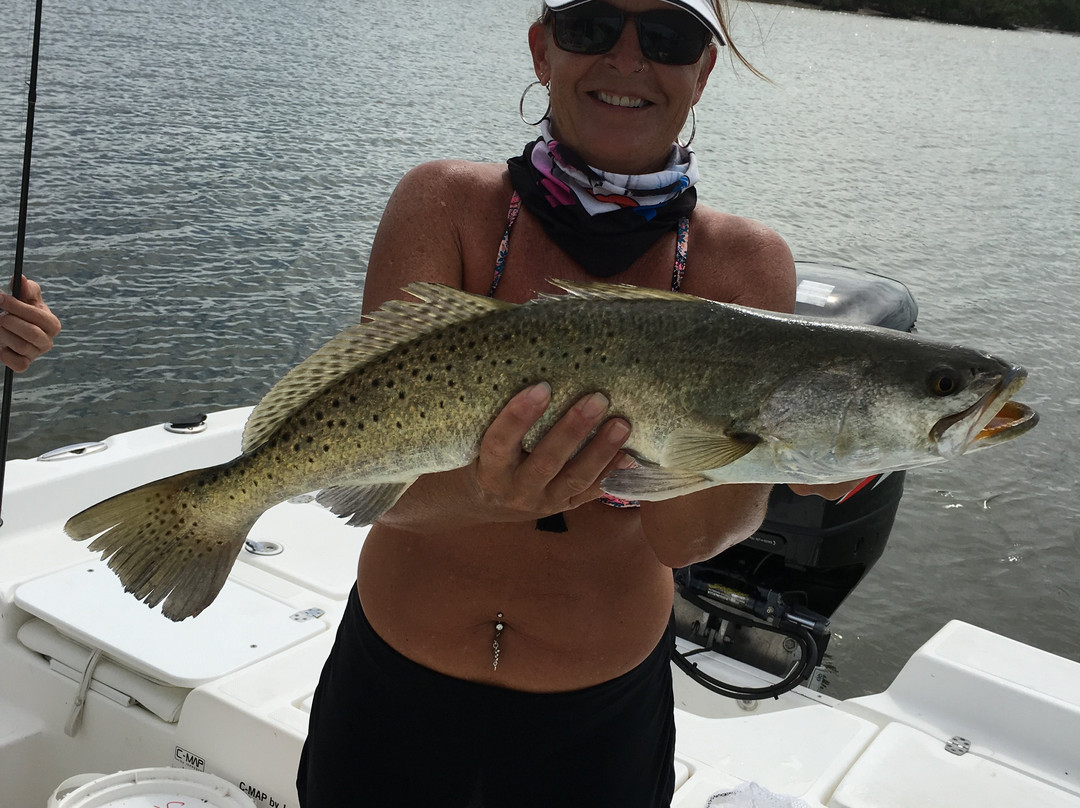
(715, 393)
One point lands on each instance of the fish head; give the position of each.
(898, 402)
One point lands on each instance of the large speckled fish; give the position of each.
(715, 393)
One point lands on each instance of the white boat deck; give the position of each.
(227, 692)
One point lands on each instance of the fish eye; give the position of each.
(945, 382)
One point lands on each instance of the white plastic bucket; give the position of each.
(143, 788)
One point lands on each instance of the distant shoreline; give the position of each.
(872, 12)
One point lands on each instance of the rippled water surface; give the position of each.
(208, 178)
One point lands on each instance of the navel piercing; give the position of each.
(495, 643)
(640, 69)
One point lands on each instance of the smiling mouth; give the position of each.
(629, 102)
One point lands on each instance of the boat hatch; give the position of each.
(241, 627)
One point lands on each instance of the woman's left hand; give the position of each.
(27, 327)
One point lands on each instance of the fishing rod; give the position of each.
(20, 239)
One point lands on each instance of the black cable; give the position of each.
(798, 674)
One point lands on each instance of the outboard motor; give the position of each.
(767, 601)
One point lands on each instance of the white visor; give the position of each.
(702, 9)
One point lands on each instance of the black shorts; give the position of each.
(387, 732)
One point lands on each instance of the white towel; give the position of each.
(751, 795)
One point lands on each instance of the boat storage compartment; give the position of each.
(973, 718)
(87, 604)
(906, 768)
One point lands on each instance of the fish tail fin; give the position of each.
(162, 545)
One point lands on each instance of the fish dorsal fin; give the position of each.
(607, 292)
(701, 450)
(394, 323)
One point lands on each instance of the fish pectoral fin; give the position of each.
(699, 450)
(651, 483)
(362, 504)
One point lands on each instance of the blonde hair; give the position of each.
(719, 6)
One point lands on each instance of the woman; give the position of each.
(27, 327)
(510, 640)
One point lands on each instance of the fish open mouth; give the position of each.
(990, 420)
(1011, 420)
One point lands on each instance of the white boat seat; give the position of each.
(86, 603)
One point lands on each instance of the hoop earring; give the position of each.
(693, 128)
(521, 104)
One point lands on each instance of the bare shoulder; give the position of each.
(435, 214)
(438, 177)
(739, 260)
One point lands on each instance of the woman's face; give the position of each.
(619, 111)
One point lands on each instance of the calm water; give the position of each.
(208, 178)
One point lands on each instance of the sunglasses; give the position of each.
(666, 36)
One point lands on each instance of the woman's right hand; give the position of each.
(560, 473)
(504, 483)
